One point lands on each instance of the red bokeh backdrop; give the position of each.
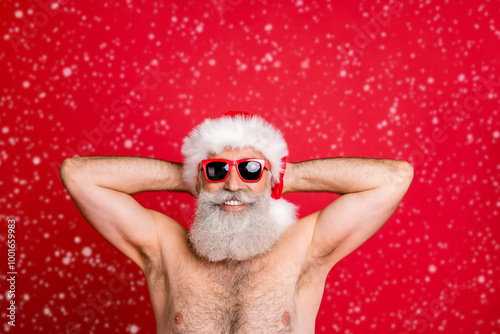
(416, 81)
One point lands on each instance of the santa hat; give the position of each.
(233, 130)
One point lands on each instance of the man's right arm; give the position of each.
(101, 188)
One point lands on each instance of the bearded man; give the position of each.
(247, 265)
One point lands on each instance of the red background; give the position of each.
(424, 87)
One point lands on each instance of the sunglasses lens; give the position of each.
(217, 170)
(250, 170)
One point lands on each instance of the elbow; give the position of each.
(407, 169)
(66, 170)
(405, 173)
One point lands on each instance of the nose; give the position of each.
(233, 181)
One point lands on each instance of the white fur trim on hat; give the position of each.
(233, 132)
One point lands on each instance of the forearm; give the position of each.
(122, 173)
(345, 175)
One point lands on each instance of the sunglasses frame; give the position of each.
(264, 164)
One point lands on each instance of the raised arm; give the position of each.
(101, 188)
(372, 189)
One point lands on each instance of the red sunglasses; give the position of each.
(249, 170)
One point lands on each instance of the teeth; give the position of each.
(233, 202)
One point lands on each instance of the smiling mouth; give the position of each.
(233, 203)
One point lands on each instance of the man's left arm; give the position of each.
(371, 191)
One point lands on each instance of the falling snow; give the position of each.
(67, 71)
(87, 251)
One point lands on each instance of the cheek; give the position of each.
(260, 186)
(211, 187)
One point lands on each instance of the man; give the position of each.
(247, 265)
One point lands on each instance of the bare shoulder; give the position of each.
(296, 241)
(163, 221)
(301, 233)
(171, 238)
(313, 259)
(168, 230)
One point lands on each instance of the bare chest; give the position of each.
(218, 299)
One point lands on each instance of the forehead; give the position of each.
(235, 154)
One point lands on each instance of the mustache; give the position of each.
(245, 196)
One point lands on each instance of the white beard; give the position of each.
(218, 235)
